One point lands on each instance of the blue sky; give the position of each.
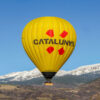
(15, 14)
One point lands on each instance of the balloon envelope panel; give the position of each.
(49, 41)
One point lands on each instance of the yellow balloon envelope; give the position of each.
(49, 42)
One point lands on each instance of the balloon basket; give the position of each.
(48, 83)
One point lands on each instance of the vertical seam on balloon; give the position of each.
(41, 54)
(39, 62)
(46, 64)
(31, 53)
(24, 45)
(49, 37)
(74, 37)
(27, 49)
(68, 54)
(64, 46)
(58, 47)
(39, 57)
(54, 48)
(64, 29)
(38, 47)
(23, 42)
(73, 32)
(29, 37)
(72, 47)
(44, 52)
(69, 50)
(33, 47)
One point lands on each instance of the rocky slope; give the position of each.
(89, 91)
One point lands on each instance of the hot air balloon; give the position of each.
(49, 42)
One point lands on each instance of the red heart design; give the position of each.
(50, 49)
(50, 33)
(63, 34)
(61, 51)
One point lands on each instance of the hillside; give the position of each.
(90, 91)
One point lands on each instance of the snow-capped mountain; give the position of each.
(35, 73)
(95, 68)
(27, 75)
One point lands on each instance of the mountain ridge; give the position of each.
(35, 73)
